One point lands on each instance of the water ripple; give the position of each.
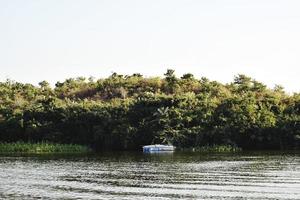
(138, 176)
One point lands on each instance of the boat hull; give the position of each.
(158, 148)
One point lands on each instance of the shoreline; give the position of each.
(41, 148)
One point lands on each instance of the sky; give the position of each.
(57, 39)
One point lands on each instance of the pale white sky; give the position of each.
(57, 39)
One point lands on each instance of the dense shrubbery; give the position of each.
(125, 112)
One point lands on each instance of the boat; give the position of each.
(158, 148)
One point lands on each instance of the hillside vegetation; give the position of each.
(125, 112)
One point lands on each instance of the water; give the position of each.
(151, 176)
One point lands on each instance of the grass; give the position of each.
(42, 147)
(216, 149)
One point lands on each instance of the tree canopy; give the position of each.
(127, 111)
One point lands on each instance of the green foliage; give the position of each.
(216, 149)
(43, 147)
(126, 112)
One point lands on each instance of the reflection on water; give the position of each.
(151, 176)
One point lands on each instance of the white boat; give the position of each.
(158, 148)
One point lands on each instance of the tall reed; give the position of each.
(215, 149)
(42, 147)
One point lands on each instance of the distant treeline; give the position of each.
(125, 112)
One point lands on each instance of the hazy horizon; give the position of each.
(59, 39)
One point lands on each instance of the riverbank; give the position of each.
(214, 149)
(42, 147)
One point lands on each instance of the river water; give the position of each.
(252, 175)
